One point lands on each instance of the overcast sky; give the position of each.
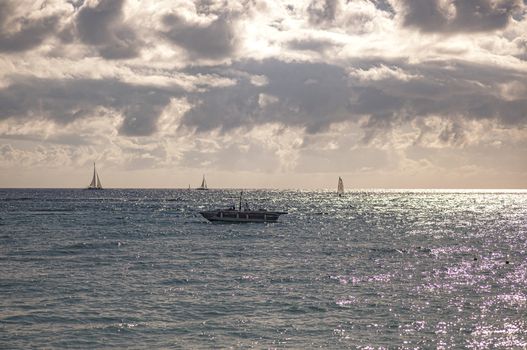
(264, 93)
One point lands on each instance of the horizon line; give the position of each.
(370, 189)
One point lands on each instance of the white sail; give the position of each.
(203, 184)
(99, 185)
(95, 183)
(340, 187)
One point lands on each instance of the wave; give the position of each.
(9, 199)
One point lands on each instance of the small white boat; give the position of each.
(340, 188)
(203, 185)
(95, 181)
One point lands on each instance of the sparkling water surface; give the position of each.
(373, 269)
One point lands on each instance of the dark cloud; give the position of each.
(315, 95)
(309, 94)
(521, 44)
(215, 40)
(64, 101)
(76, 3)
(102, 26)
(459, 15)
(7, 152)
(453, 134)
(322, 11)
(30, 33)
(384, 5)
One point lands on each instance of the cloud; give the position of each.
(23, 33)
(323, 11)
(380, 94)
(67, 100)
(311, 44)
(307, 94)
(76, 3)
(455, 16)
(384, 5)
(102, 26)
(315, 95)
(213, 40)
(521, 44)
(379, 97)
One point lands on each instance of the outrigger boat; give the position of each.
(238, 215)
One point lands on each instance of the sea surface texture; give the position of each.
(141, 269)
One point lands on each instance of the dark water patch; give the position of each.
(51, 210)
(9, 199)
(6, 238)
(39, 318)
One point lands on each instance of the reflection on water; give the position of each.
(124, 268)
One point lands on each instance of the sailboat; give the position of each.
(95, 183)
(340, 188)
(203, 184)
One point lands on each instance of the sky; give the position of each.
(264, 93)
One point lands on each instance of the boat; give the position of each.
(233, 215)
(95, 181)
(203, 185)
(340, 188)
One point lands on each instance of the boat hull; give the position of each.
(236, 216)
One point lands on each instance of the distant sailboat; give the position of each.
(95, 182)
(340, 188)
(203, 184)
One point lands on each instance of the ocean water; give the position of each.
(141, 269)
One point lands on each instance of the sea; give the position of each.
(373, 269)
